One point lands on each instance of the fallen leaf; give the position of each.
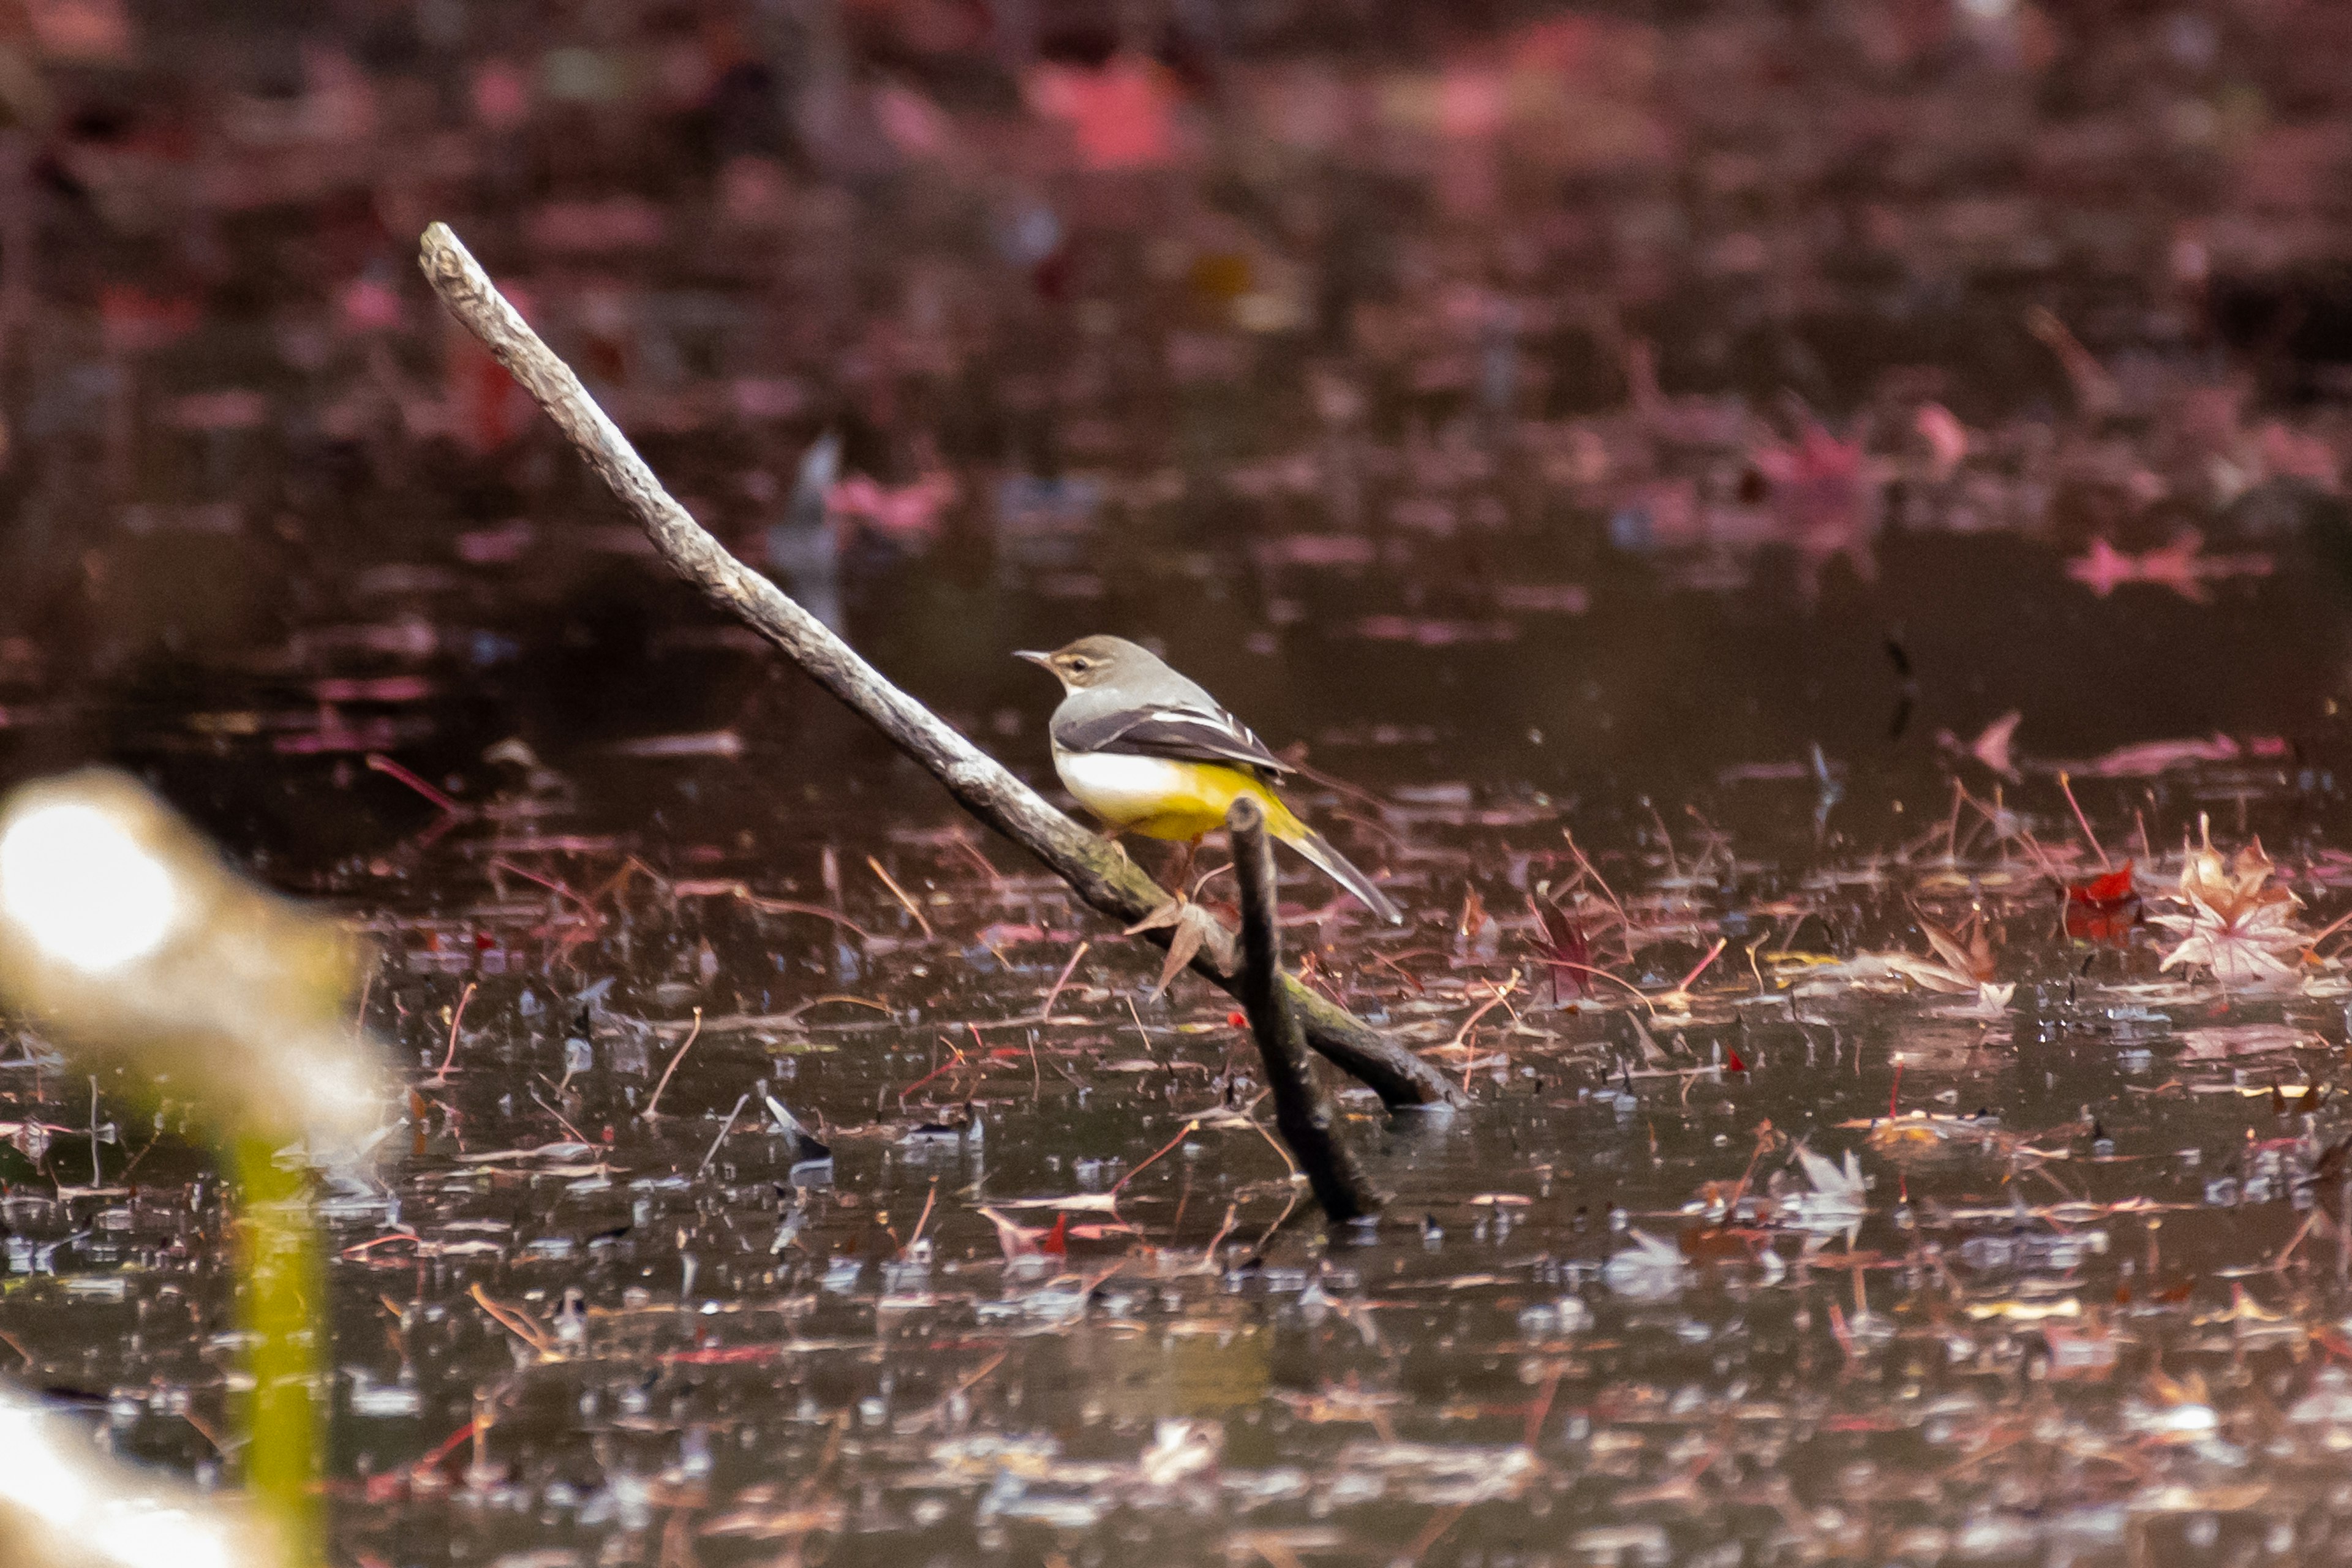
(1566, 950)
(2231, 924)
(1193, 927)
(1993, 747)
(2104, 908)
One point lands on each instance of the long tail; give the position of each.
(1335, 866)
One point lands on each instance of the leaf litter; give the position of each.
(897, 1290)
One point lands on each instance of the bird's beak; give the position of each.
(1042, 660)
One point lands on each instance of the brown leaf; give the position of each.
(2233, 926)
(1473, 919)
(1972, 958)
(1167, 914)
(1191, 928)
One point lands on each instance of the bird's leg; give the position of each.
(1109, 834)
(1175, 913)
(1180, 870)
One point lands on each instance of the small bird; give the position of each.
(1149, 752)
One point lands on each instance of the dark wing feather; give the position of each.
(1184, 734)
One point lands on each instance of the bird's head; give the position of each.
(1090, 661)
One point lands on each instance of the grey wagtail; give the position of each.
(1149, 752)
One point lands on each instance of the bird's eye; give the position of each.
(1081, 665)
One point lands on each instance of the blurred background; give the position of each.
(1593, 399)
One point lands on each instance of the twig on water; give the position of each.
(1439, 1523)
(1584, 864)
(452, 811)
(1290, 1203)
(367, 990)
(2311, 948)
(691, 1035)
(1701, 966)
(515, 1323)
(2278, 1264)
(724, 1128)
(899, 893)
(446, 1446)
(561, 889)
(456, 1016)
(731, 889)
(1673, 867)
(1189, 1129)
(1097, 872)
(1461, 1041)
(1462, 1035)
(2066, 785)
(561, 1119)
(1274, 1550)
(960, 1060)
(971, 851)
(930, 1199)
(1046, 1008)
(1539, 1409)
(1639, 994)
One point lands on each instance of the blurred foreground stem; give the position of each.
(283, 1308)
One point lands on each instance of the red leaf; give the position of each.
(2103, 909)
(2113, 887)
(1121, 116)
(1566, 952)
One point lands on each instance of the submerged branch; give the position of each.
(1098, 873)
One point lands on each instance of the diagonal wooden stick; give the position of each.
(1095, 871)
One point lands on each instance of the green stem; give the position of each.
(283, 1302)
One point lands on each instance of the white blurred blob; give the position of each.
(133, 940)
(1989, 10)
(86, 889)
(62, 1503)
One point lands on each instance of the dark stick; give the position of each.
(1301, 1114)
(1095, 871)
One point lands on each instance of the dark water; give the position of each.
(1703, 657)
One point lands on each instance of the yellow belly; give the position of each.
(1162, 798)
